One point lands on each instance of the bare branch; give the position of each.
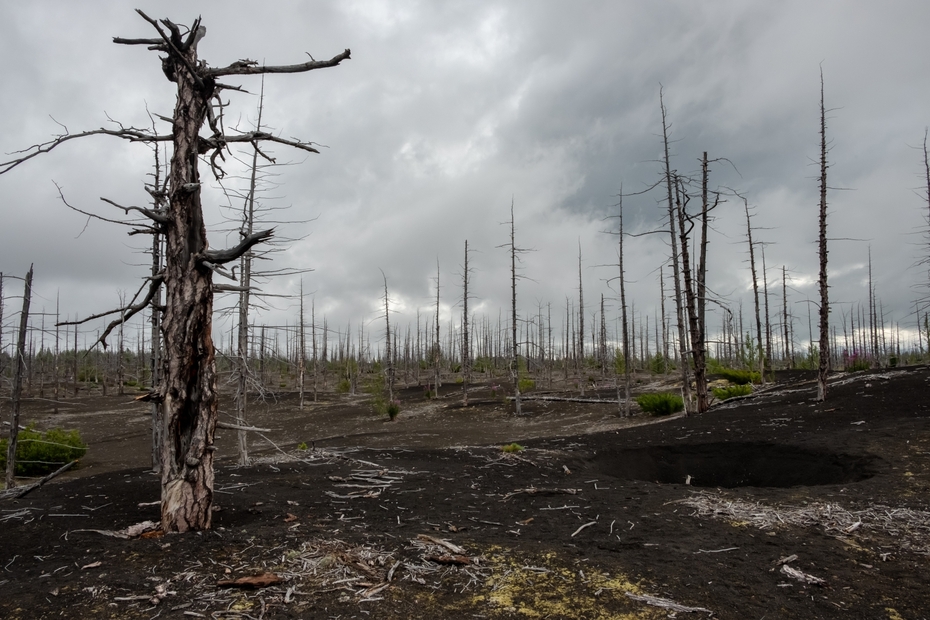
(218, 257)
(250, 67)
(130, 133)
(158, 218)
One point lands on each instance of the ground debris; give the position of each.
(665, 603)
(910, 528)
(133, 531)
(801, 576)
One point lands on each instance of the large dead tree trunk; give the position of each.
(187, 392)
(824, 367)
(698, 355)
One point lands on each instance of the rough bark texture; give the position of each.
(697, 338)
(676, 271)
(189, 405)
(824, 367)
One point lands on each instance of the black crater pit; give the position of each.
(730, 465)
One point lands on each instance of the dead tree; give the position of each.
(388, 357)
(623, 404)
(19, 367)
(466, 342)
(698, 353)
(187, 391)
(824, 367)
(676, 271)
(514, 343)
(580, 353)
(755, 293)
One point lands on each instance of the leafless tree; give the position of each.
(676, 270)
(824, 367)
(187, 391)
(388, 356)
(18, 370)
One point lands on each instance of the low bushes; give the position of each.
(732, 391)
(661, 403)
(739, 377)
(40, 452)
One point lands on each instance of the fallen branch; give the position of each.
(801, 576)
(237, 427)
(665, 603)
(442, 543)
(541, 491)
(18, 492)
(582, 527)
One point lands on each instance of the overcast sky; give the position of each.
(447, 111)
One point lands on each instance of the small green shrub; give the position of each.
(343, 386)
(512, 447)
(393, 409)
(41, 453)
(739, 377)
(732, 391)
(526, 384)
(302, 445)
(662, 403)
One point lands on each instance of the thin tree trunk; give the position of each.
(515, 351)
(676, 271)
(755, 293)
(625, 408)
(824, 367)
(466, 342)
(19, 367)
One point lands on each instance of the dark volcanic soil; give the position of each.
(421, 518)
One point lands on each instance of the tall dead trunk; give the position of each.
(19, 368)
(824, 367)
(437, 350)
(580, 353)
(789, 357)
(388, 357)
(302, 346)
(515, 350)
(755, 293)
(466, 342)
(676, 271)
(627, 362)
(698, 355)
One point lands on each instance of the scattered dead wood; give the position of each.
(665, 603)
(911, 528)
(801, 576)
(252, 582)
(461, 560)
(442, 543)
(564, 399)
(17, 492)
(133, 531)
(541, 491)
